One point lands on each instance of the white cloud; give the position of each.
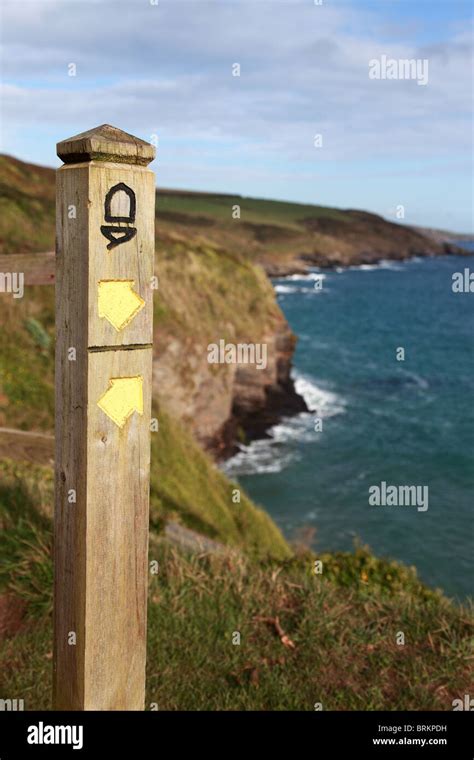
(167, 69)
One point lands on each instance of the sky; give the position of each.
(163, 70)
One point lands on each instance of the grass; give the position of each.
(187, 487)
(206, 293)
(27, 360)
(304, 638)
(197, 605)
(216, 207)
(26, 498)
(26, 207)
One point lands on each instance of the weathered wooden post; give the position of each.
(105, 251)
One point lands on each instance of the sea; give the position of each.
(385, 362)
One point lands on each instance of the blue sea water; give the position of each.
(405, 422)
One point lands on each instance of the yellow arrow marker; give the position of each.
(118, 302)
(123, 397)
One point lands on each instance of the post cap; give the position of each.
(105, 143)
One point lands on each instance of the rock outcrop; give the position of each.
(229, 403)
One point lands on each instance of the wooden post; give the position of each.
(104, 267)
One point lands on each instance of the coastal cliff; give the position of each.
(224, 403)
(205, 294)
(236, 403)
(213, 257)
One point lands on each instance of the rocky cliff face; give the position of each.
(228, 403)
(210, 296)
(261, 398)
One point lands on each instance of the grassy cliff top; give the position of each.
(229, 632)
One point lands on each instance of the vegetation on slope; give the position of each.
(186, 486)
(304, 638)
(27, 202)
(207, 292)
(27, 360)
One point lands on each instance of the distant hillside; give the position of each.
(444, 236)
(283, 237)
(289, 237)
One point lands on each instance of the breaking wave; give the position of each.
(273, 454)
